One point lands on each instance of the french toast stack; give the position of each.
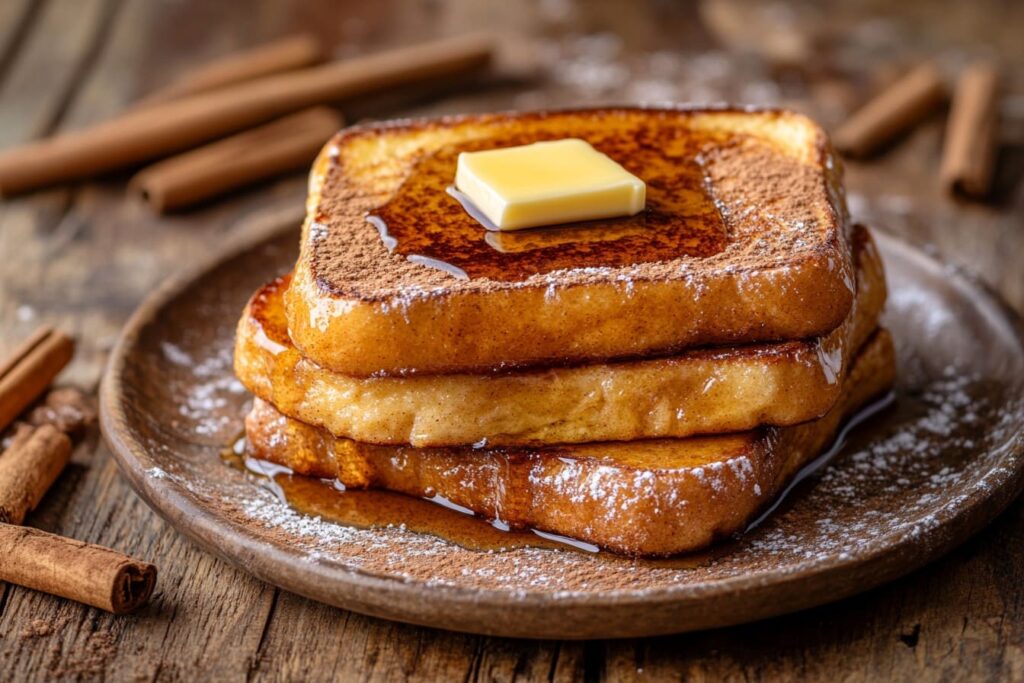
(646, 384)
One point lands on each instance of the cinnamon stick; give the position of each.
(892, 112)
(968, 157)
(282, 55)
(30, 369)
(287, 144)
(71, 569)
(163, 129)
(79, 571)
(27, 470)
(39, 450)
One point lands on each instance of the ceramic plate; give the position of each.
(907, 485)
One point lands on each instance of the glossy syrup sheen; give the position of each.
(379, 509)
(425, 222)
(370, 509)
(375, 509)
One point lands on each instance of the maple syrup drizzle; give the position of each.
(436, 516)
(430, 223)
(829, 454)
(375, 509)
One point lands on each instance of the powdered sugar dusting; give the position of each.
(926, 459)
(951, 440)
(206, 399)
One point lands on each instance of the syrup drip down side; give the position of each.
(679, 495)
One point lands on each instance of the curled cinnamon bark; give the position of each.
(79, 571)
(968, 157)
(290, 143)
(87, 573)
(26, 373)
(27, 470)
(892, 112)
(151, 132)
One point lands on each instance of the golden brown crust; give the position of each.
(779, 269)
(657, 497)
(700, 391)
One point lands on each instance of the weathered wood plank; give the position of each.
(516, 660)
(85, 257)
(959, 620)
(173, 638)
(56, 277)
(49, 65)
(16, 17)
(351, 646)
(901, 194)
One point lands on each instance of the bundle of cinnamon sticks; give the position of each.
(227, 119)
(969, 151)
(38, 450)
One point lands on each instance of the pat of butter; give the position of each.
(547, 183)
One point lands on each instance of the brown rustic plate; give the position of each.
(907, 486)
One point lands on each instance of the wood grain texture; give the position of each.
(86, 256)
(16, 19)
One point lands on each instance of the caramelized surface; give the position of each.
(698, 392)
(425, 220)
(745, 189)
(746, 239)
(657, 497)
(329, 500)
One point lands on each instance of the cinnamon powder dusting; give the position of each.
(793, 212)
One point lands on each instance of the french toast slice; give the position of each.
(744, 239)
(706, 391)
(654, 498)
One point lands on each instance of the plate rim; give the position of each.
(275, 565)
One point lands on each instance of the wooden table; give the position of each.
(84, 256)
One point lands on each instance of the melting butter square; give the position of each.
(546, 183)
